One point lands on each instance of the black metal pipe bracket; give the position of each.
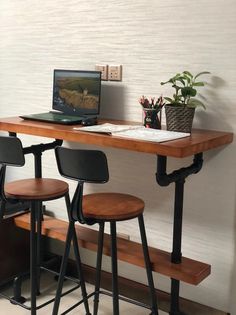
(37, 151)
(40, 148)
(164, 179)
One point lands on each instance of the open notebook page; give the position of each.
(108, 128)
(149, 134)
(134, 132)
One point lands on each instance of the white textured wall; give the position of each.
(152, 40)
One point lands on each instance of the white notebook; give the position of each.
(134, 132)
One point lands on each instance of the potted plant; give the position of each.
(180, 108)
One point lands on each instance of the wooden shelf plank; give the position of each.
(189, 270)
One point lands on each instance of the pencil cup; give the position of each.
(152, 118)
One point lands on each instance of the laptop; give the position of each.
(76, 97)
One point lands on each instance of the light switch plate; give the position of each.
(104, 71)
(115, 73)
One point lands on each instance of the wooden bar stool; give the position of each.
(35, 191)
(90, 166)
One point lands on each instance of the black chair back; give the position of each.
(11, 151)
(11, 154)
(84, 166)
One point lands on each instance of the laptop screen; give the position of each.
(77, 92)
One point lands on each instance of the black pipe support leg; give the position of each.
(178, 177)
(17, 297)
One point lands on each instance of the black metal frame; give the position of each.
(35, 268)
(178, 177)
(115, 289)
(36, 218)
(71, 236)
(37, 151)
(163, 179)
(94, 169)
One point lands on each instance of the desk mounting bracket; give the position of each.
(165, 179)
(178, 177)
(37, 151)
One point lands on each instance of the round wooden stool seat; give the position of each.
(112, 206)
(36, 189)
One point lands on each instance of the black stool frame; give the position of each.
(91, 166)
(16, 158)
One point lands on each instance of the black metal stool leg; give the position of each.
(78, 259)
(98, 267)
(39, 239)
(148, 265)
(115, 289)
(63, 268)
(33, 257)
(80, 272)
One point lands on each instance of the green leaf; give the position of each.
(198, 84)
(188, 91)
(185, 77)
(162, 83)
(188, 73)
(193, 102)
(169, 81)
(168, 99)
(201, 73)
(179, 98)
(176, 76)
(177, 87)
(181, 80)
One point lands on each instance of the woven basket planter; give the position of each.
(179, 118)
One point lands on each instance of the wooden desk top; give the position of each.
(199, 141)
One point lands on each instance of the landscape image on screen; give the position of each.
(76, 90)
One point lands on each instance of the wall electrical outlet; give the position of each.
(115, 73)
(104, 71)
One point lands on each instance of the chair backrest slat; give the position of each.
(11, 151)
(11, 154)
(83, 165)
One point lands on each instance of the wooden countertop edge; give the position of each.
(199, 141)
